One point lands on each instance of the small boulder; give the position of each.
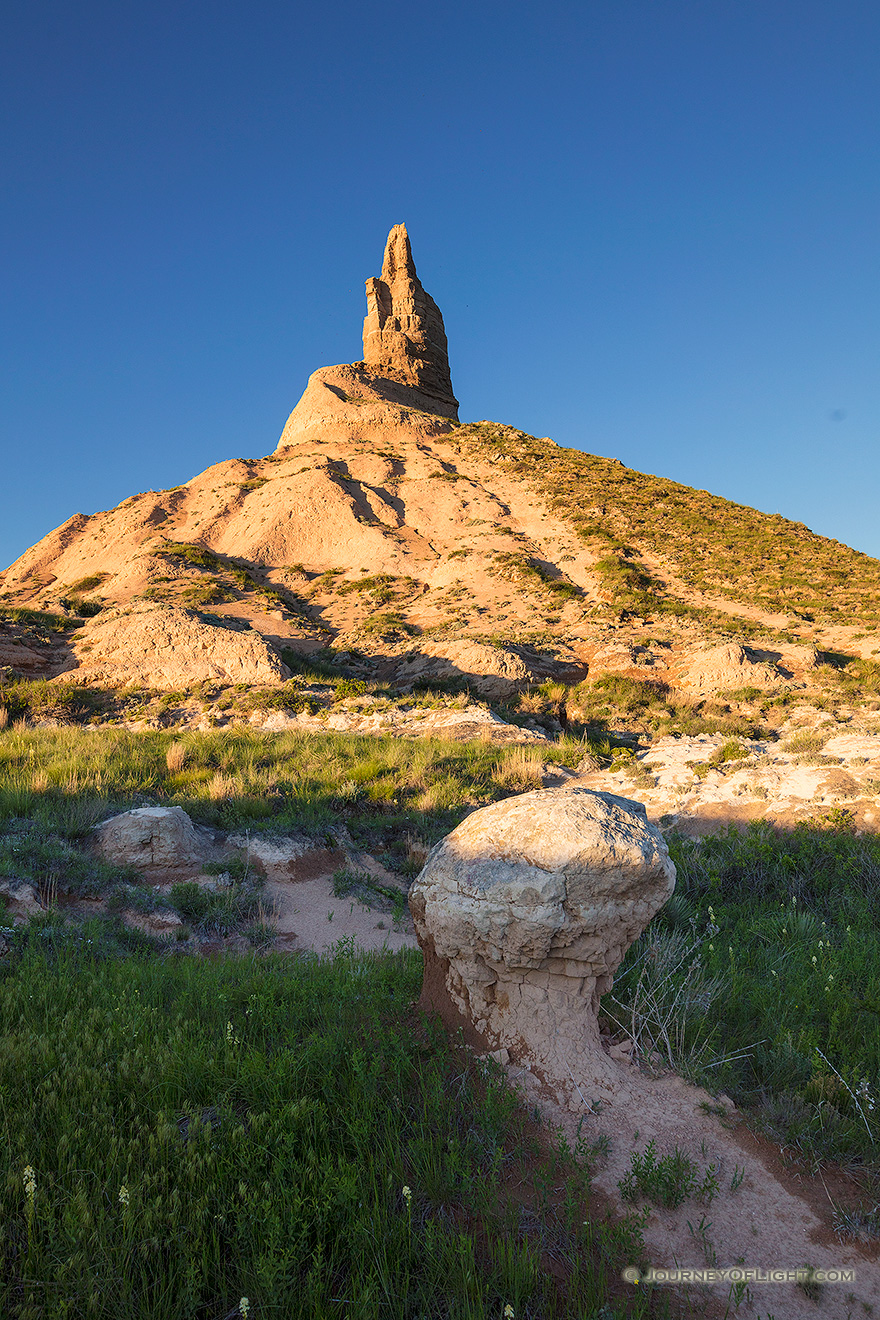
(23, 900)
(524, 913)
(158, 838)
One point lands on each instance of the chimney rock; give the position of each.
(404, 337)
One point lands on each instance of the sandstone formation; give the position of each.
(20, 659)
(159, 838)
(491, 670)
(524, 913)
(348, 403)
(404, 336)
(163, 647)
(727, 668)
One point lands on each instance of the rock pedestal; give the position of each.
(524, 913)
(404, 335)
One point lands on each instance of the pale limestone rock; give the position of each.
(524, 913)
(404, 336)
(160, 838)
(161, 646)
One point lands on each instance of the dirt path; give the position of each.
(300, 902)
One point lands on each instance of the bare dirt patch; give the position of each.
(766, 1213)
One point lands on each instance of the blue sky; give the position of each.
(651, 227)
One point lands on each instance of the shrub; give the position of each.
(90, 583)
(668, 1181)
(215, 911)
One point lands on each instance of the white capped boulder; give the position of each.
(160, 838)
(524, 913)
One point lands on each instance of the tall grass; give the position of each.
(238, 778)
(179, 1135)
(761, 977)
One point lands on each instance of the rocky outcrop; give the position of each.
(456, 725)
(524, 913)
(162, 646)
(404, 335)
(151, 838)
(726, 668)
(349, 402)
(491, 671)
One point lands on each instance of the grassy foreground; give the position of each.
(761, 978)
(273, 1137)
(200, 1132)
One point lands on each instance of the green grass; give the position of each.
(669, 1180)
(90, 583)
(218, 911)
(710, 544)
(761, 978)
(380, 788)
(182, 1134)
(530, 572)
(230, 574)
(41, 699)
(649, 707)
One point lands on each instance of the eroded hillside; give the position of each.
(384, 550)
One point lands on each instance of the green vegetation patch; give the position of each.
(41, 624)
(525, 569)
(89, 583)
(228, 573)
(40, 699)
(649, 706)
(669, 1180)
(761, 978)
(711, 544)
(275, 1136)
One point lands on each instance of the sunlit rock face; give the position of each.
(404, 335)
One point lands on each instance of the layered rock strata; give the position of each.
(404, 335)
(524, 913)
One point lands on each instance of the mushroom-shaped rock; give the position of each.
(150, 837)
(524, 913)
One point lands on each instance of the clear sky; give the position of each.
(651, 226)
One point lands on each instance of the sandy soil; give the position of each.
(775, 1218)
(299, 900)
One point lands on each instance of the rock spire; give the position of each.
(404, 337)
